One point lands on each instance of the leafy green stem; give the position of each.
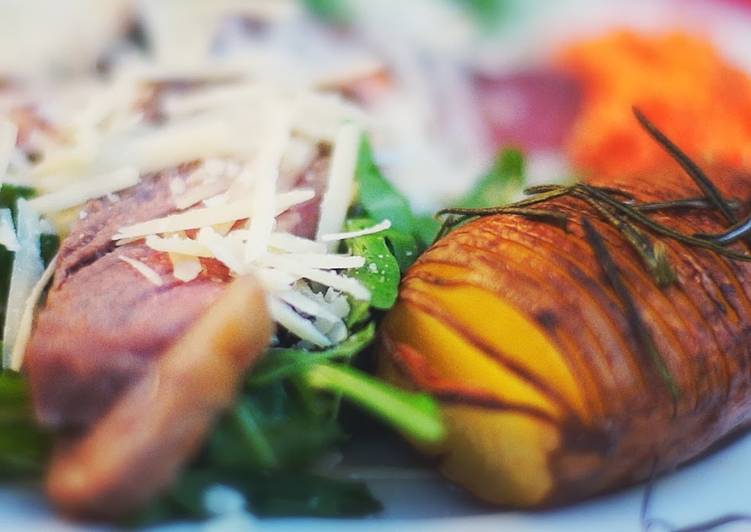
(415, 414)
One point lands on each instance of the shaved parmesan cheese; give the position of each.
(324, 261)
(57, 167)
(225, 249)
(143, 269)
(335, 331)
(184, 267)
(8, 135)
(181, 246)
(208, 216)
(78, 193)
(152, 149)
(189, 103)
(306, 305)
(27, 318)
(296, 324)
(337, 303)
(383, 226)
(327, 278)
(275, 281)
(126, 241)
(26, 272)
(220, 199)
(341, 181)
(177, 187)
(299, 154)
(265, 169)
(197, 194)
(294, 243)
(223, 229)
(7, 231)
(319, 118)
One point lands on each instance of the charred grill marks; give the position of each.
(636, 324)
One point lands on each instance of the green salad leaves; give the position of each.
(502, 182)
(286, 418)
(23, 446)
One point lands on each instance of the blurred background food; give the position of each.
(447, 82)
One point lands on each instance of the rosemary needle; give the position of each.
(691, 168)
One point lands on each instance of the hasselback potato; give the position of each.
(555, 383)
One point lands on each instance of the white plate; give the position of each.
(719, 484)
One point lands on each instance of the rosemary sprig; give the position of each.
(630, 217)
(555, 217)
(449, 223)
(622, 211)
(691, 168)
(661, 229)
(687, 203)
(652, 254)
(460, 215)
(633, 317)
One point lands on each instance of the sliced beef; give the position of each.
(303, 219)
(137, 447)
(104, 323)
(101, 329)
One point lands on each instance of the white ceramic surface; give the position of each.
(718, 484)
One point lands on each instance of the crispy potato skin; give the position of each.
(511, 323)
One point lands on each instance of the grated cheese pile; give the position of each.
(233, 117)
(233, 151)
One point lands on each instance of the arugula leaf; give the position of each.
(268, 494)
(378, 197)
(279, 427)
(9, 195)
(415, 414)
(333, 11)
(359, 313)
(23, 446)
(427, 228)
(379, 200)
(404, 247)
(380, 274)
(48, 246)
(280, 363)
(504, 179)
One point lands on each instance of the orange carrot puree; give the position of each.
(680, 82)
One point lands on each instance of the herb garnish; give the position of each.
(690, 167)
(622, 211)
(24, 446)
